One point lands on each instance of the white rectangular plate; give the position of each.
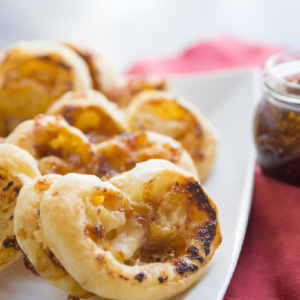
(227, 98)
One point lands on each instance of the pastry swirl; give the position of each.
(100, 67)
(61, 149)
(149, 231)
(122, 152)
(162, 112)
(124, 93)
(92, 113)
(17, 167)
(29, 234)
(58, 147)
(33, 74)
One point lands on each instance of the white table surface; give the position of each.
(129, 30)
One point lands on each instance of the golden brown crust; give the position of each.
(92, 113)
(162, 112)
(101, 70)
(150, 236)
(123, 152)
(123, 94)
(148, 227)
(58, 147)
(29, 234)
(61, 149)
(17, 167)
(33, 74)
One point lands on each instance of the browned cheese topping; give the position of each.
(124, 94)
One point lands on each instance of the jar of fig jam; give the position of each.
(277, 119)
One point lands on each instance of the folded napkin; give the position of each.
(209, 55)
(269, 263)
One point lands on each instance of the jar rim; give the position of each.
(281, 98)
(273, 61)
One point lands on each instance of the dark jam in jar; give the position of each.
(277, 119)
(277, 137)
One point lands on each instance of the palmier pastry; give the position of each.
(29, 234)
(125, 92)
(162, 112)
(17, 167)
(121, 153)
(92, 113)
(58, 147)
(101, 69)
(149, 237)
(33, 74)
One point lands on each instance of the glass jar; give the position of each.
(277, 118)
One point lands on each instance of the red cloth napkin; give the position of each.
(269, 263)
(209, 55)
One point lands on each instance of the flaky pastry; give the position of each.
(146, 234)
(58, 147)
(123, 93)
(121, 153)
(101, 69)
(162, 112)
(29, 234)
(35, 73)
(17, 167)
(92, 113)
(61, 149)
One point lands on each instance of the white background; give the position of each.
(129, 30)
